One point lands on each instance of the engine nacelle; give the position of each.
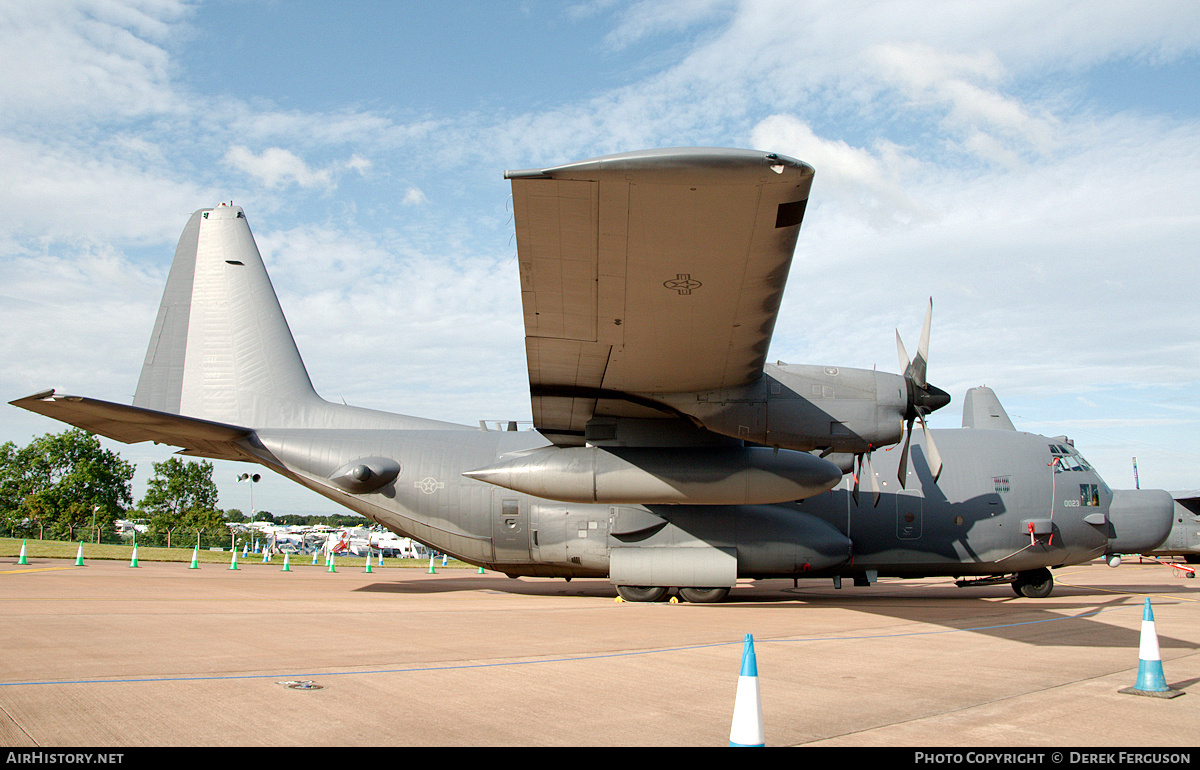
(696, 476)
(805, 408)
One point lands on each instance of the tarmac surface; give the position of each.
(163, 655)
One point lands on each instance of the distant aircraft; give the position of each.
(668, 455)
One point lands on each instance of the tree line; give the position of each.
(65, 486)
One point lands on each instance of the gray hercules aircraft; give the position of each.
(667, 453)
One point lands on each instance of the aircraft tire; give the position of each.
(642, 593)
(1035, 584)
(703, 595)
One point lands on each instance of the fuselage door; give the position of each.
(510, 527)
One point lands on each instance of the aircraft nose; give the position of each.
(1140, 520)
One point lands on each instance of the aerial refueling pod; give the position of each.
(697, 476)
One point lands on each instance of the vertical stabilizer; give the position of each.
(981, 409)
(221, 349)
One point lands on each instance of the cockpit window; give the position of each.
(1065, 459)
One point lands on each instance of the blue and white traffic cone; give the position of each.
(747, 729)
(1150, 679)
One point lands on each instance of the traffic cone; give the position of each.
(368, 570)
(195, 558)
(22, 560)
(315, 554)
(266, 556)
(432, 571)
(286, 568)
(133, 559)
(331, 567)
(747, 729)
(1150, 679)
(79, 556)
(233, 560)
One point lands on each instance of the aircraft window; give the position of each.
(1089, 494)
(1064, 460)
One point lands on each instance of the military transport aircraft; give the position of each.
(667, 453)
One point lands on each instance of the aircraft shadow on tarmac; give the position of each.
(1038, 622)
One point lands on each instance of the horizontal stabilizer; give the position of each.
(132, 425)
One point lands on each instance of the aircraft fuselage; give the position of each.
(1000, 507)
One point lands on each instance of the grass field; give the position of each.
(57, 549)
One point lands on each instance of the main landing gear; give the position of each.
(658, 593)
(1032, 584)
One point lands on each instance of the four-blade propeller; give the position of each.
(923, 398)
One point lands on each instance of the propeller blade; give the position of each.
(931, 451)
(921, 363)
(855, 474)
(904, 455)
(875, 491)
(902, 354)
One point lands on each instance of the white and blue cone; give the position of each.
(1150, 678)
(747, 729)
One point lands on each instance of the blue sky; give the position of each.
(1029, 165)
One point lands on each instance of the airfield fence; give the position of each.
(174, 538)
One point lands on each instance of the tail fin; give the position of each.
(981, 409)
(221, 349)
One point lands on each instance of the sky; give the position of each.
(1031, 166)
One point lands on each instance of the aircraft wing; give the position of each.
(651, 272)
(131, 425)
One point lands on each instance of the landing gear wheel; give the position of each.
(1035, 584)
(642, 593)
(703, 595)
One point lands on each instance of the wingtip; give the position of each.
(39, 396)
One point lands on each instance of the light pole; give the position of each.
(253, 479)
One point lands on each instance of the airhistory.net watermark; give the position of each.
(62, 758)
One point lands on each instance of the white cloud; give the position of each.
(413, 197)
(74, 61)
(276, 167)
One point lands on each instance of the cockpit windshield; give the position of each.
(1065, 459)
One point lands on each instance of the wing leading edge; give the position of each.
(651, 272)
